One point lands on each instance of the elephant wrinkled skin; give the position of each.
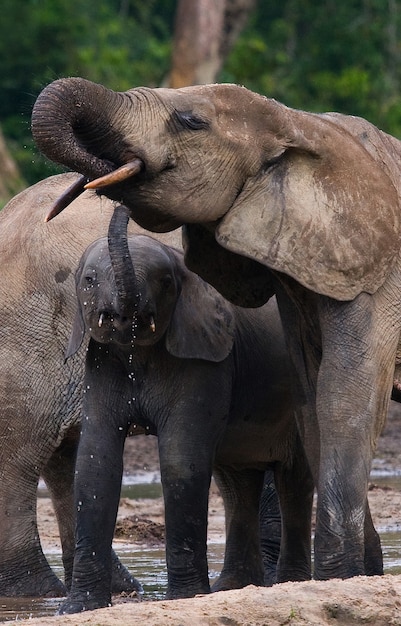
(40, 395)
(275, 200)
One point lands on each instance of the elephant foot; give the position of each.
(345, 570)
(293, 575)
(269, 579)
(337, 557)
(31, 583)
(78, 605)
(225, 582)
(122, 580)
(374, 567)
(186, 591)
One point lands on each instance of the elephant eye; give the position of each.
(190, 121)
(89, 279)
(167, 281)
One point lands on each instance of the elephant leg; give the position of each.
(186, 457)
(354, 386)
(58, 475)
(98, 474)
(270, 528)
(295, 489)
(97, 571)
(241, 491)
(97, 491)
(24, 570)
(373, 550)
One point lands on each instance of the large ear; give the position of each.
(78, 327)
(76, 336)
(328, 217)
(243, 281)
(203, 324)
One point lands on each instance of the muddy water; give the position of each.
(148, 564)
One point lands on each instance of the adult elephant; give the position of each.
(169, 354)
(303, 205)
(40, 395)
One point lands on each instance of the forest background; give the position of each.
(317, 55)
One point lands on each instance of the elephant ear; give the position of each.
(203, 323)
(328, 217)
(76, 336)
(78, 327)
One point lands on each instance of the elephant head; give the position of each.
(313, 196)
(137, 291)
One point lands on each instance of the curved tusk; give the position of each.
(101, 318)
(152, 324)
(117, 176)
(67, 197)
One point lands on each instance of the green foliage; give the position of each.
(321, 56)
(318, 56)
(119, 43)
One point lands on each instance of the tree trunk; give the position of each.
(205, 31)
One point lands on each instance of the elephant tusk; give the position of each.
(152, 324)
(101, 318)
(117, 176)
(67, 197)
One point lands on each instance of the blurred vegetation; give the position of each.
(120, 43)
(341, 55)
(332, 55)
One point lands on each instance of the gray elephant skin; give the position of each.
(275, 200)
(40, 394)
(212, 381)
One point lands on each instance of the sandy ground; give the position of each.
(361, 600)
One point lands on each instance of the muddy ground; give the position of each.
(362, 600)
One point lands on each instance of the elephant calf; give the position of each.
(168, 353)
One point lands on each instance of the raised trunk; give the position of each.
(123, 268)
(69, 117)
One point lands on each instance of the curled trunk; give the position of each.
(123, 268)
(70, 117)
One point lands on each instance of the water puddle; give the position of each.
(148, 564)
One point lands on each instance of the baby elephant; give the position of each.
(187, 366)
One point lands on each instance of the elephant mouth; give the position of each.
(106, 327)
(119, 175)
(110, 327)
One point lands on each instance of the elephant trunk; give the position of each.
(128, 295)
(70, 118)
